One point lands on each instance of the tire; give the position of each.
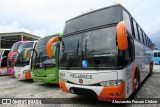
(150, 68)
(136, 84)
(136, 81)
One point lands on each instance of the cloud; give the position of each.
(152, 27)
(15, 27)
(44, 17)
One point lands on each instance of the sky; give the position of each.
(45, 17)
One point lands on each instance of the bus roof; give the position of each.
(60, 34)
(156, 50)
(116, 5)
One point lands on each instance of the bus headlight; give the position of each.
(50, 75)
(62, 79)
(111, 83)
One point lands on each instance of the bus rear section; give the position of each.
(3, 61)
(22, 66)
(156, 57)
(45, 69)
(102, 56)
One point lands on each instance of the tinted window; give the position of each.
(93, 19)
(145, 39)
(126, 18)
(25, 45)
(6, 53)
(158, 54)
(155, 54)
(140, 34)
(135, 30)
(15, 46)
(129, 53)
(43, 42)
(143, 36)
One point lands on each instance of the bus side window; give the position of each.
(4, 62)
(6, 53)
(158, 54)
(126, 18)
(129, 53)
(155, 54)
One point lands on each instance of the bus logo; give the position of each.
(84, 63)
(80, 81)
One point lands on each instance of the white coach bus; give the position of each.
(104, 54)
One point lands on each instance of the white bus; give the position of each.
(104, 54)
(22, 66)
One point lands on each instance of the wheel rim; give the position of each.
(136, 83)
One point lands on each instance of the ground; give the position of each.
(10, 87)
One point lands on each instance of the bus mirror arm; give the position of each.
(121, 36)
(50, 48)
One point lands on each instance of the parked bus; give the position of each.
(156, 57)
(12, 56)
(104, 54)
(3, 61)
(22, 66)
(149, 56)
(45, 69)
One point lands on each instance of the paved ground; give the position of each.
(10, 87)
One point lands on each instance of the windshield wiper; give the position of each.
(75, 56)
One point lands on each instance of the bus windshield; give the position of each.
(105, 16)
(40, 57)
(15, 46)
(98, 47)
(20, 60)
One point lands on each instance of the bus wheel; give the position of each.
(150, 68)
(136, 81)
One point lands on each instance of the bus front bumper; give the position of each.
(3, 71)
(46, 79)
(10, 70)
(103, 93)
(23, 75)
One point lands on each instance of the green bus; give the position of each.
(45, 69)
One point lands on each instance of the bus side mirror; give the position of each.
(50, 48)
(121, 36)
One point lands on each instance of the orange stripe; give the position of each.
(63, 86)
(28, 75)
(110, 92)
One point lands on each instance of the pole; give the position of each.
(21, 37)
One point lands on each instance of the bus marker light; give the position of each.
(118, 94)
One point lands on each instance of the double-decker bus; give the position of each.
(22, 66)
(45, 69)
(12, 56)
(3, 61)
(156, 57)
(103, 54)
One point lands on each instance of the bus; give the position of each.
(156, 57)
(3, 61)
(12, 56)
(149, 56)
(103, 54)
(45, 69)
(22, 66)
